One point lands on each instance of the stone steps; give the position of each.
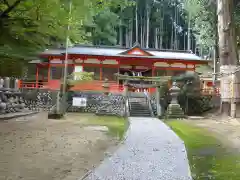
(139, 108)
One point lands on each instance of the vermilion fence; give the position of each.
(114, 87)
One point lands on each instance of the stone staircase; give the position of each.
(138, 107)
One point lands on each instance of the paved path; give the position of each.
(151, 151)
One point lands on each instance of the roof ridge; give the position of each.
(125, 48)
(168, 50)
(100, 46)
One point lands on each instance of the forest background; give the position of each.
(29, 27)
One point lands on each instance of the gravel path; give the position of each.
(151, 151)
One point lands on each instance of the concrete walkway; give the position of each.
(151, 151)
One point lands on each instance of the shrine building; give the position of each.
(105, 61)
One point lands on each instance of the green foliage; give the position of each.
(190, 98)
(105, 32)
(29, 27)
(10, 67)
(165, 96)
(79, 77)
(204, 21)
(33, 26)
(203, 16)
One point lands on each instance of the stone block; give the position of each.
(174, 111)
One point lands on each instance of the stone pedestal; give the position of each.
(174, 110)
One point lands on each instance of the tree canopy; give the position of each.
(29, 27)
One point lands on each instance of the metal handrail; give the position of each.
(149, 103)
(127, 106)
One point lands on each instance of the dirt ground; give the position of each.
(226, 129)
(34, 148)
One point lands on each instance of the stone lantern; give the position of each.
(1, 83)
(7, 83)
(174, 110)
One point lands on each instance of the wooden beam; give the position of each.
(153, 71)
(101, 71)
(141, 59)
(37, 72)
(149, 79)
(49, 72)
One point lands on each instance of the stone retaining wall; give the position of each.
(96, 101)
(45, 99)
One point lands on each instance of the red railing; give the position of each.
(31, 85)
(114, 87)
(52, 84)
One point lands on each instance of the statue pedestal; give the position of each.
(174, 111)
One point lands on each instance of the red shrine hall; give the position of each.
(104, 62)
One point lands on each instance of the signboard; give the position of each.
(79, 102)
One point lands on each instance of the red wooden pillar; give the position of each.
(37, 72)
(83, 60)
(49, 73)
(153, 71)
(100, 70)
(169, 69)
(118, 71)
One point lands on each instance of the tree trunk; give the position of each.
(228, 57)
(175, 29)
(131, 34)
(184, 41)
(136, 22)
(172, 37)
(161, 29)
(189, 33)
(127, 36)
(156, 38)
(147, 23)
(142, 32)
(121, 35)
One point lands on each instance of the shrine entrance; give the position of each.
(136, 73)
(138, 99)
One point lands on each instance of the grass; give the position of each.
(208, 157)
(116, 125)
